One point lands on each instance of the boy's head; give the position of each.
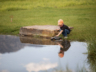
(60, 22)
(61, 54)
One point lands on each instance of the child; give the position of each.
(64, 46)
(64, 29)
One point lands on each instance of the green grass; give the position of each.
(29, 4)
(82, 18)
(80, 14)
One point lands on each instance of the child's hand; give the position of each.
(57, 29)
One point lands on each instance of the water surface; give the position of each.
(27, 56)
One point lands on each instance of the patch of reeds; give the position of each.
(92, 54)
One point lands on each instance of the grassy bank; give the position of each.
(92, 54)
(80, 14)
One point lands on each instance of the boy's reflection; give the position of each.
(64, 46)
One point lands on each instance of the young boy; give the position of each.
(64, 46)
(64, 29)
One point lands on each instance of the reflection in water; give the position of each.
(64, 46)
(10, 43)
(0, 57)
(39, 66)
(33, 57)
(40, 41)
(4, 71)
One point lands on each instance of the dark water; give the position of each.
(41, 55)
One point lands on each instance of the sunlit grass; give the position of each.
(83, 19)
(10, 5)
(80, 14)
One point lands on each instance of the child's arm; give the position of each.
(59, 33)
(59, 44)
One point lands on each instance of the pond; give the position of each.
(22, 54)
